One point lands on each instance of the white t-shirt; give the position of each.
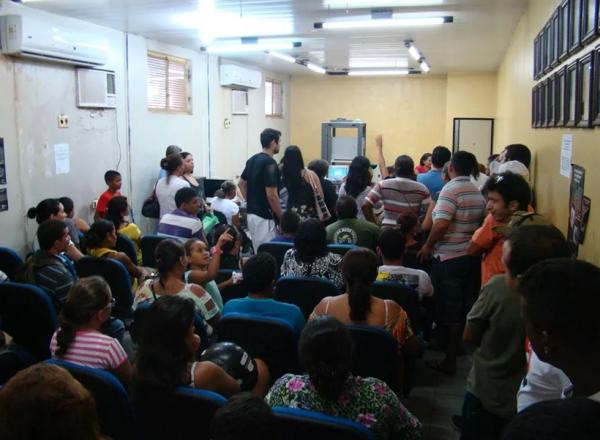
(414, 278)
(480, 181)
(227, 206)
(516, 167)
(543, 382)
(166, 192)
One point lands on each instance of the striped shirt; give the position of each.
(180, 225)
(462, 203)
(399, 196)
(92, 349)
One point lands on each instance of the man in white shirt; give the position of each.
(390, 247)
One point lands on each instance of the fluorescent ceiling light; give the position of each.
(356, 4)
(377, 72)
(425, 67)
(374, 63)
(414, 52)
(315, 68)
(383, 23)
(260, 46)
(282, 56)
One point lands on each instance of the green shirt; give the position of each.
(499, 362)
(353, 231)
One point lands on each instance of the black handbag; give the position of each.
(151, 207)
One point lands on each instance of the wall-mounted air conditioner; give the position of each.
(32, 37)
(239, 102)
(237, 77)
(96, 88)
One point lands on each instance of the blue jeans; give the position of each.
(456, 283)
(478, 423)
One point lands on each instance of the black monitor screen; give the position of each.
(211, 186)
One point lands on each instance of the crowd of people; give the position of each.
(490, 273)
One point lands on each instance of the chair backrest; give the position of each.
(270, 339)
(186, 414)
(234, 291)
(28, 315)
(148, 245)
(117, 277)
(10, 364)
(277, 249)
(405, 296)
(340, 249)
(125, 245)
(376, 355)
(300, 424)
(305, 292)
(112, 401)
(10, 262)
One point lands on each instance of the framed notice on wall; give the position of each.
(576, 207)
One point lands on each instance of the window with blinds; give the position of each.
(273, 98)
(168, 85)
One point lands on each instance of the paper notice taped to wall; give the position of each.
(62, 160)
(566, 153)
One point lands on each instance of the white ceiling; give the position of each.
(475, 41)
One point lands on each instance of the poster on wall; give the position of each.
(2, 163)
(3, 200)
(587, 204)
(575, 232)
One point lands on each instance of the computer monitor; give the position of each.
(337, 173)
(211, 186)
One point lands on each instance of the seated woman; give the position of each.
(359, 306)
(310, 256)
(325, 350)
(165, 359)
(223, 202)
(172, 264)
(230, 256)
(203, 269)
(101, 240)
(86, 310)
(76, 225)
(116, 211)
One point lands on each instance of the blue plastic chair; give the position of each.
(117, 277)
(125, 245)
(148, 245)
(301, 424)
(10, 262)
(271, 339)
(112, 401)
(277, 249)
(341, 249)
(185, 414)
(28, 315)
(305, 292)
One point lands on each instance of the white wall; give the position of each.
(33, 95)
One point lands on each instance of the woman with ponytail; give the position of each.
(87, 308)
(325, 350)
(359, 306)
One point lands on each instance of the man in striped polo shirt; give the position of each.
(401, 195)
(459, 211)
(183, 223)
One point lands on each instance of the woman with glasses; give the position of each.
(80, 339)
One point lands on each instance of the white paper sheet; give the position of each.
(566, 152)
(61, 158)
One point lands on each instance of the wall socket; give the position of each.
(227, 123)
(63, 121)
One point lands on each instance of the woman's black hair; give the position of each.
(359, 268)
(325, 351)
(170, 164)
(163, 353)
(44, 210)
(97, 233)
(67, 203)
(424, 158)
(167, 254)
(185, 154)
(407, 222)
(310, 241)
(87, 296)
(293, 164)
(115, 209)
(227, 188)
(358, 176)
(220, 230)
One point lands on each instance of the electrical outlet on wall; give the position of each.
(63, 121)
(93, 205)
(227, 123)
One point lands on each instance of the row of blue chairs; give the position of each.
(188, 413)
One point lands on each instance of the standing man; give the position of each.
(455, 275)
(259, 185)
(433, 179)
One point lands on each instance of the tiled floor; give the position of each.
(437, 396)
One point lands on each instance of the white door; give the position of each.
(475, 135)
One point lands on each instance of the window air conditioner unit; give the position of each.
(96, 88)
(237, 77)
(239, 102)
(32, 37)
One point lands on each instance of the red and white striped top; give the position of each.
(92, 349)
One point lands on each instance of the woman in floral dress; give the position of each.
(326, 351)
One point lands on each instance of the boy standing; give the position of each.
(113, 180)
